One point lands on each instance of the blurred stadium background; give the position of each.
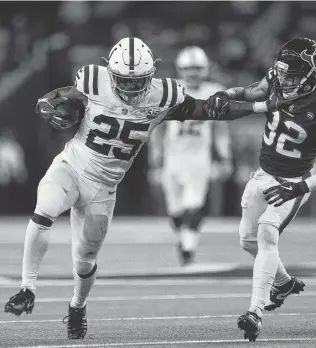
(44, 43)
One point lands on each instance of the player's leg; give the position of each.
(89, 224)
(253, 206)
(267, 259)
(173, 192)
(57, 192)
(195, 190)
(284, 284)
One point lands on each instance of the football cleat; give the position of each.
(251, 323)
(21, 302)
(76, 321)
(186, 257)
(279, 293)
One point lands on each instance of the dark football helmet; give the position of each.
(295, 69)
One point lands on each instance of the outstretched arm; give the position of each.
(214, 108)
(257, 91)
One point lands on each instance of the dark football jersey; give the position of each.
(289, 140)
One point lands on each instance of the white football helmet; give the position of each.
(131, 67)
(192, 65)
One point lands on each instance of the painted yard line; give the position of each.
(191, 317)
(168, 343)
(156, 297)
(8, 283)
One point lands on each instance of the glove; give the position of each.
(277, 195)
(57, 112)
(218, 106)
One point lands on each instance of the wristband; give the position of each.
(259, 107)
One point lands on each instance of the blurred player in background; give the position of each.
(117, 107)
(190, 153)
(287, 157)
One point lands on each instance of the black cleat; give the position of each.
(76, 321)
(279, 293)
(186, 257)
(251, 323)
(21, 302)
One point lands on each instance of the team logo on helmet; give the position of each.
(309, 58)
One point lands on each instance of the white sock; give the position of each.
(281, 277)
(189, 239)
(35, 247)
(82, 289)
(264, 270)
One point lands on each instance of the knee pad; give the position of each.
(95, 228)
(193, 218)
(251, 246)
(84, 255)
(42, 220)
(268, 236)
(84, 268)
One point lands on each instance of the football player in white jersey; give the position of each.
(185, 175)
(117, 107)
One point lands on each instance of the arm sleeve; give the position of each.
(189, 109)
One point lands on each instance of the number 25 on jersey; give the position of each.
(116, 131)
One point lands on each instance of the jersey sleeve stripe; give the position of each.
(164, 93)
(86, 76)
(95, 80)
(174, 93)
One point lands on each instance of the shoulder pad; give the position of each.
(172, 93)
(87, 79)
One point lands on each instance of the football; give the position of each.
(68, 117)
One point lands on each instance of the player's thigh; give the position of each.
(195, 189)
(90, 223)
(172, 190)
(253, 206)
(281, 216)
(57, 191)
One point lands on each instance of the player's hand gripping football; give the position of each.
(56, 111)
(277, 195)
(218, 106)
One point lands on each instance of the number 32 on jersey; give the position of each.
(286, 145)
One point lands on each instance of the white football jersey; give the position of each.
(190, 140)
(112, 132)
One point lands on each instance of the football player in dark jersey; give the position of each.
(287, 155)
